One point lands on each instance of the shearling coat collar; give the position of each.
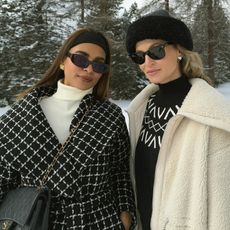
(203, 104)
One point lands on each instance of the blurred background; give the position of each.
(32, 32)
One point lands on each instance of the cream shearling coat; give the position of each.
(192, 180)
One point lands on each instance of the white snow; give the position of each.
(3, 110)
(225, 89)
(28, 47)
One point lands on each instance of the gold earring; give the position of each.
(61, 66)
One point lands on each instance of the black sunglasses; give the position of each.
(83, 62)
(154, 52)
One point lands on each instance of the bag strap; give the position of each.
(60, 151)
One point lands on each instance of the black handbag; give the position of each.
(25, 208)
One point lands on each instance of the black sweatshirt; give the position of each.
(160, 108)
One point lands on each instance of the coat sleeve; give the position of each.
(219, 180)
(120, 178)
(8, 178)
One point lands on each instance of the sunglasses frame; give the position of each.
(93, 63)
(135, 56)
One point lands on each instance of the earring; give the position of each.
(61, 66)
(179, 59)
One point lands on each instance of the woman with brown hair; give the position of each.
(68, 109)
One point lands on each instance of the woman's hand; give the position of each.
(126, 219)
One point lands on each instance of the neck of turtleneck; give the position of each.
(178, 85)
(173, 92)
(66, 92)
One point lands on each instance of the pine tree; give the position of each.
(25, 37)
(211, 32)
(31, 33)
(104, 16)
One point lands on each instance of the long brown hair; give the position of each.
(54, 73)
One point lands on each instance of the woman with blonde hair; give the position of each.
(66, 125)
(180, 131)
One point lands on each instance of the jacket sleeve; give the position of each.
(8, 178)
(120, 178)
(219, 180)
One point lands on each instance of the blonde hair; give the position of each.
(54, 73)
(192, 66)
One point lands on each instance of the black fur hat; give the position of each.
(158, 25)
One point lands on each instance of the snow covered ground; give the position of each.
(3, 110)
(223, 89)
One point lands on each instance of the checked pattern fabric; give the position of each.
(90, 183)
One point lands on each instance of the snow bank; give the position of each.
(225, 89)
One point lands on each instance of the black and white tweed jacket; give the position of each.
(90, 183)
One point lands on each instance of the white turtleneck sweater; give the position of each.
(59, 108)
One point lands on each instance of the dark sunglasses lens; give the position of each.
(80, 60)
(157, 52)
(83, 62)
(100, 67)
(138, 57)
